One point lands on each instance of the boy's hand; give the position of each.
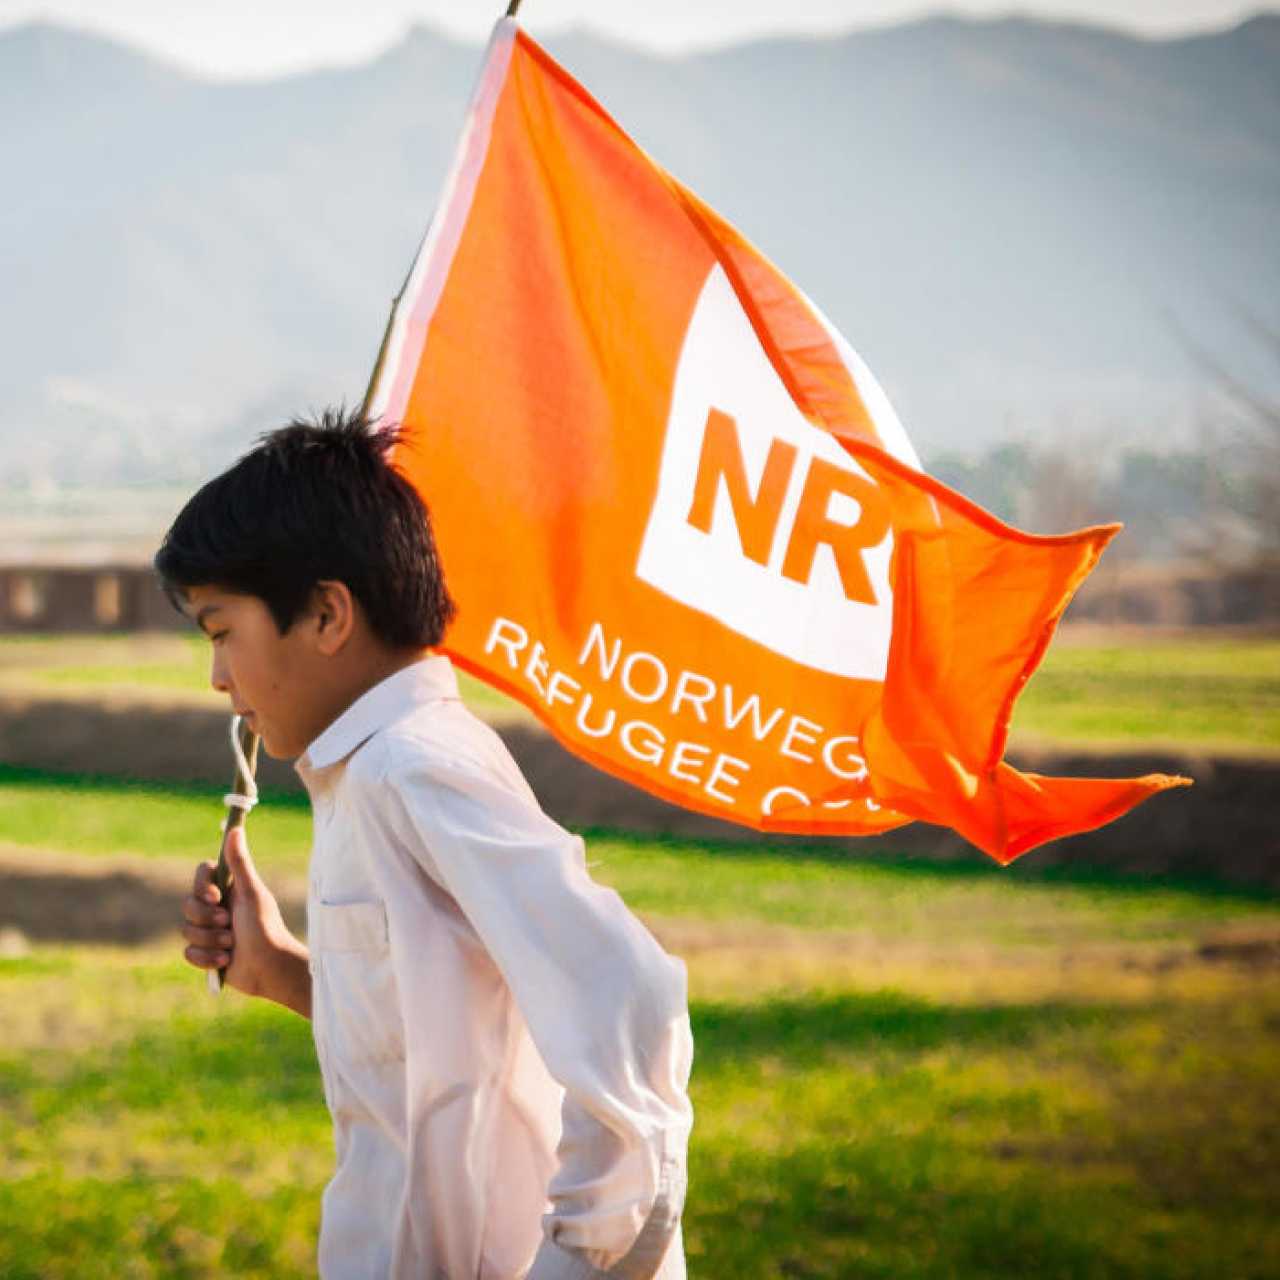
(247, 936)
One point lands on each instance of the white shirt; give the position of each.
(505, 1049)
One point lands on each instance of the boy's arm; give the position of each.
(606, 1007)
(251, 940)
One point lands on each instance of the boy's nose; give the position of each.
(218, 679)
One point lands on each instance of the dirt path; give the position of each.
(48, 896)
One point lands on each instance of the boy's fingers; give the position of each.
(204, 958)
(204, 913)
(208, 927)
(209, 939)
(204, 887)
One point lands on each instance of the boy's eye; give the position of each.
(215, 636)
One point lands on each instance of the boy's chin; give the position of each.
(281, 750)
(277, 746)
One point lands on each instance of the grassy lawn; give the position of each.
(1205, 691)
(1187, 689)
(907, 1070)
(931, 1095)
(820, 888)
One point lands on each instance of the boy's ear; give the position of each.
(332, 615)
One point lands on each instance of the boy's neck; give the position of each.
(365, 669)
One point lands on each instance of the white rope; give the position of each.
(237, 799)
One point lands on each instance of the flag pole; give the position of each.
(244, 742)
(366, 404)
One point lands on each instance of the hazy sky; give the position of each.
(265, 37)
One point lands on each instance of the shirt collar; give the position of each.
(429, 679)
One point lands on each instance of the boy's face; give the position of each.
(270, 678)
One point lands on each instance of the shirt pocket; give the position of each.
(362, 1002)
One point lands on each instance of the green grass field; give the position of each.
(902, 1070)
(819, 888)
(1190, 690)
(907, 1070)
(1205, 691)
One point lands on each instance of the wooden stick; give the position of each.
(512, 7)
(367, 403)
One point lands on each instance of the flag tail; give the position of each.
(960, 657)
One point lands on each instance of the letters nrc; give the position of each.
(757, 515)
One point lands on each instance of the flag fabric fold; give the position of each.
(681, 519)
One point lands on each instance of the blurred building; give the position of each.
(37, 596)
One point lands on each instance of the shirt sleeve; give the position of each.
(606, 1008)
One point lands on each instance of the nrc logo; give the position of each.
(756, 516)
(762, 520)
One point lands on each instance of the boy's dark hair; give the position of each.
(312, 501)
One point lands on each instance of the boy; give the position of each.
(504, 1049)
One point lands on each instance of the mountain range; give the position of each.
(1028, 229)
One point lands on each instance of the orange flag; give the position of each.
(680, 518)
